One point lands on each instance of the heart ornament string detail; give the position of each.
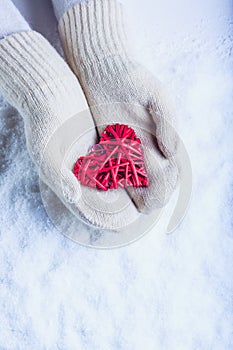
(117, 161)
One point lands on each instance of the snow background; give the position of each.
(162, 292)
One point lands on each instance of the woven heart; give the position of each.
(116, 161)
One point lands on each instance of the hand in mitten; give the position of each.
(119, 90)
(37, 81)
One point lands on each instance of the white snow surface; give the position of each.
(164, 292)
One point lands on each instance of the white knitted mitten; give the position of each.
(37, 81)
(97, 50)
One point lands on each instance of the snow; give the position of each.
(164, 291)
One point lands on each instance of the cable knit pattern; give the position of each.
(95, 43)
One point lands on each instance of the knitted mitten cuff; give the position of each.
(92, 31)
(32, 72)
(38, 82)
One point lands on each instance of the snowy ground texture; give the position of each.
(163, 292)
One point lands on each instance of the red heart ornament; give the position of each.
(116, 161)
